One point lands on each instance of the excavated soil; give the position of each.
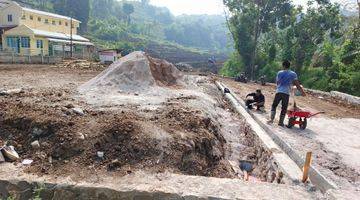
(125, 138)
(191, 133)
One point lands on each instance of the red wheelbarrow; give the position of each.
(300, 117)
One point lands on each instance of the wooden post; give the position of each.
(246, 176)
(306, 167)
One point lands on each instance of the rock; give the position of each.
(37, 131)
(10, 153)
(11, 92)
(100, 154)
(35, 144)
(69, 106)
(27, 162)
(78, 111)
(80, 136)
(114, 165)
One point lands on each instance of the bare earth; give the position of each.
(191, 132)
(333, 137)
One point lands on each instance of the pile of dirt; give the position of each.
(80, 64)
(136, 72)
(172, 138)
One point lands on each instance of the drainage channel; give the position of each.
(289, 160)
(284, 162)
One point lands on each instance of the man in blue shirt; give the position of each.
(284, 80)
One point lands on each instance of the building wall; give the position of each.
(45, 23)
(24, 32)
(14, 10)
(35, 20)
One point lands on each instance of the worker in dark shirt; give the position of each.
(258, 100)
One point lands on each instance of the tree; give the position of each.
(60, 6)
(251, 18)
(79, 10)
(103, 9)
(128, 9)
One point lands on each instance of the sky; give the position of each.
(178, 7)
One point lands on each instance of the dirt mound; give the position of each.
(129, 141)
(135, 72)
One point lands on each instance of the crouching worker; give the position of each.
(258, 100)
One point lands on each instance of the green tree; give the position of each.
(128, 9)
(251, 18)
(79, 10)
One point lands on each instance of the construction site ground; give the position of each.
(191, 132)
(333, 137)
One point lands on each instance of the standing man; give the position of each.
(284, 80)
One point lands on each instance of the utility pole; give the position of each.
(71, 37)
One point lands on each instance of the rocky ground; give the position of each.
(192, 133)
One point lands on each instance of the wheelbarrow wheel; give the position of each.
(303, 124)
(291, 122)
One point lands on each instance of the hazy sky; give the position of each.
(178, 7)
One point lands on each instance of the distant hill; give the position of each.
(207, 32)
(138, 25)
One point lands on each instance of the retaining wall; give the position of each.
(30, 59)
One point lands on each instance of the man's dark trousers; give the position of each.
(284, 98)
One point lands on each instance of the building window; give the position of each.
(10, 18)
(46, 21)
(39, 44)
(66, 24)
(53, 23)
(39, 19)
(23, 17)
(12, 42)
(31, 17)
(25, 42)
(60, 23)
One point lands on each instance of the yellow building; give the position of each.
(27, 31)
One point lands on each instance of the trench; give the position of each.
(191, 143)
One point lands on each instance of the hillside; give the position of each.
(138, 25)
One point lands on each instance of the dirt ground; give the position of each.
(332, 137)
(313, 103)
(191, 133)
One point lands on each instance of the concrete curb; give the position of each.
(320, 181)
(164, 187)
(285, 163)
(353, 100)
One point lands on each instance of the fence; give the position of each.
(12, 57)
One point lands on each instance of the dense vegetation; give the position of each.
(131, 24)
(322, 44)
